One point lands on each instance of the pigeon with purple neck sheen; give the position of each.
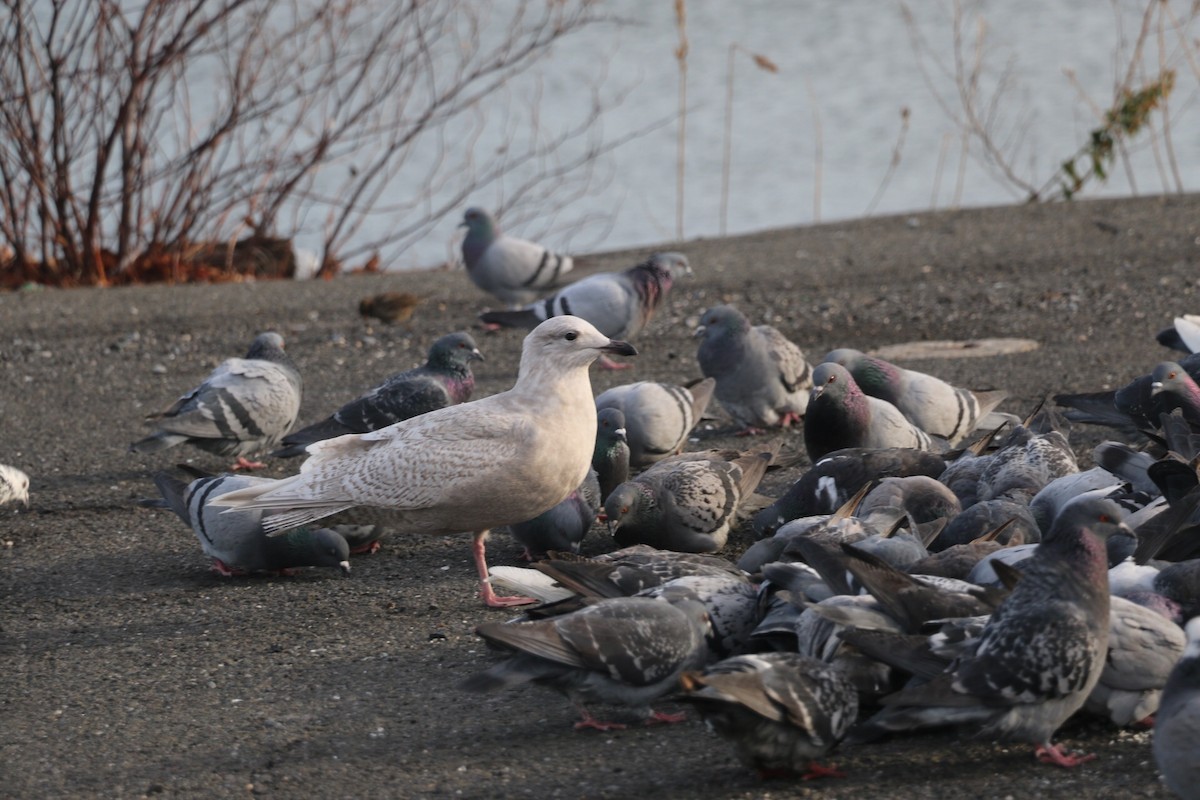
(467, 467)
(443, 380)
(840, 415)
(1041, 652)
(763, 380)
(14, 485)
(1177, 725)
(930, 403)
(684, 504)
(627, 651)
(244, 406)
(658, 416)
(237, 543)
(513, 270)
(1138, 404)
(780, 711)
(619, 304)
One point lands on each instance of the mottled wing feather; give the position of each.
(794, 370)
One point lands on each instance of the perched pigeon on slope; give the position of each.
(626, 651)
(14, 485)
(1177, 726)
(930, 403)
(236, 542)
(1040, 654)
(244, 405)
(511, 269)
(658, 416)
(610, 459)
(684, 504)
(563, 527)
(762, 378)
(781, 711)
(444, 380)
(839, 415)
(467, 467)
(619, 304)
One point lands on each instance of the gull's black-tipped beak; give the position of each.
(617, 347)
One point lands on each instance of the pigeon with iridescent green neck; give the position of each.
(610, 459)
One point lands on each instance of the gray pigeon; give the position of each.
(513, 270)
(467, 467)
(762, 378)
(686, 504)
(1177, 726)
(14, 485)
(1040, 654)
(245, 405)
(781, 711)
(627, 651)
(930, 403)
(1139, 404)
(236, 542)
(619, 304)
(658, 416)
(840, 415)
(610, 459)
(563, 527)
(444, 380)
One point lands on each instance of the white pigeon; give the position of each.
(619, 304)
(511, 269)
(469, 467)
(244, 405)
(14, 485)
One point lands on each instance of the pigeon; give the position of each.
(1177, 725)
(1183, 335)
(245, 405)
(237, 543)
(389, 307)
(684, 504)
(762, 378)
(658, 416)
(444, 380)
(1137, 405)
(781, 711)
(839, 415)
(1040, 654)
(619, 304)
(930, 403)
(563, 527)
(513, 270)
(14, 485)
(610, 459)
(627, 651)
(468, 467)
(836, 477)
(630, 570)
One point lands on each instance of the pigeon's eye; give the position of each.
(1105, 518)
(1170, 376)
(571, 336)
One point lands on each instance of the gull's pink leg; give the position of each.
(490, 598)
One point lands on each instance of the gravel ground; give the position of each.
(131, 670)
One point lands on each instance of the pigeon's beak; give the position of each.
(696, 334)
(620, 433)
(815, 392)
(476, 355)
(1156, 387)
(617, 347)
(345, 565)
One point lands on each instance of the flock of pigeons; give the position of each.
(942, 563)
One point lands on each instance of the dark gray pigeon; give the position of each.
(619, 304)
(840, 415)
(626, 651)
(930, 403)
(1177, 726)
(687, 503)
(244, 406)
(781, 711)
(513, 270)
(444, 380)
(1040, 654)
(236, 542)
(563, 527)
(658, 416)
(610, 459)
(1138, 404)
(763, 380)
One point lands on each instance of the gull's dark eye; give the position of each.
(571, 336)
